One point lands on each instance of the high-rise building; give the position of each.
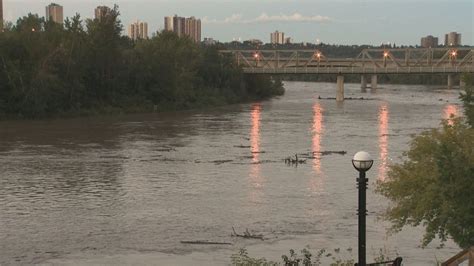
(54, 12)
(277, 37)
(101, 12)
(452, 39)
(1, 15)
(138, 30)
(192, 29)
(429, 42)
(169, 23)
(179, 25)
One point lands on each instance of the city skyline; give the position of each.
(325, 21)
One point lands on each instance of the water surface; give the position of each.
(130, 188)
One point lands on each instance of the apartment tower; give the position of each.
(1, 15)
(277, 37)
(169, 23)
(429, 42)
(452, 39)
(54, 12)
(192, 29)
(138, 30)
(101, 12)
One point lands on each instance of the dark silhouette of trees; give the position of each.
(83, 67)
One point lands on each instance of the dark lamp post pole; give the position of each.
(362, 162)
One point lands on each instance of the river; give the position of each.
(128, 189)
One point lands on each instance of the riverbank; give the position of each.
(272, 250)
(86, 67)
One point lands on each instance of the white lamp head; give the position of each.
(362, 161)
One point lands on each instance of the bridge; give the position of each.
(448, 61)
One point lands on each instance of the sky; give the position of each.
(329, 21)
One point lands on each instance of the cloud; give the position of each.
(265, 18)
(295, 17)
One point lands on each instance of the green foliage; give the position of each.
(242, 259)
(305, 258)
(434, 186)
(80, 67)
(468, 98)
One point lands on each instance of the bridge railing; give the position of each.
(438, 60)
(359, 70)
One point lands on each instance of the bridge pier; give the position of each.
(363, 83)
(373, 83)
(340, 89)
(462, 84)
(450, 81)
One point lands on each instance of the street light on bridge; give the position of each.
(256, 56)
(452, 55)
(385, 55)
(318, 56)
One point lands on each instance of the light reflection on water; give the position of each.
(450, 111)
(316, 183)
(256, 178)
(383, 140)
(318, 128)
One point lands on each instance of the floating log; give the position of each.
(166, 149)
(296, 161)
(348, 98)
(242, 146)
(217, 162)
(205, 242)
(246, 234)
(330, 152)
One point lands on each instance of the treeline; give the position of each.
(86, 67)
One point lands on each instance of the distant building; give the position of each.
(1, 15)
(54, 12)
(138, 30)
(101, 12)
(452, 39)
(429, 42)
(288, 40)
(179, 25)
(256, 42)
(277, 37)
(209, 41)
(190, 27)
(169, 23)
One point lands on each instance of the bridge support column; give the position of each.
(363, 83)
(373, 82)
(462, 83)
(450, 82)
(340, 89)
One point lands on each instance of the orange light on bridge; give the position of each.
(454, 53)
(318, 55)
(385, 54)
(256, 55)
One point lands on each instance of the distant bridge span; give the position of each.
(447, 61)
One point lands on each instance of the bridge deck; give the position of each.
(369, 61)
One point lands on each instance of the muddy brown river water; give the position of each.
(128, 189)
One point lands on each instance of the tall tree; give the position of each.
(434, 185)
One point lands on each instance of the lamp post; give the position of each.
(385, 55)
(256, 56)
(362, 162)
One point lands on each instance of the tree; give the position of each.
(434, 185)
